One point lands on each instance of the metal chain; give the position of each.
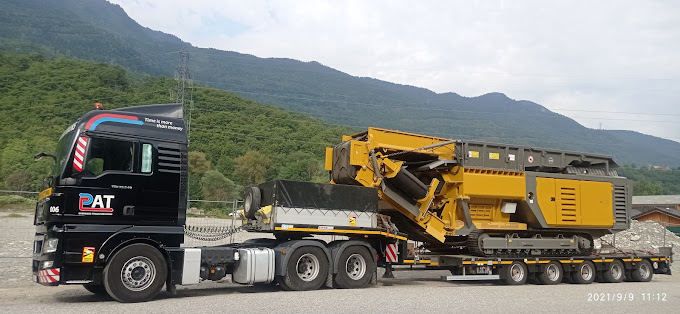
(210, 233)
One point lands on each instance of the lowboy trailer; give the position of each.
(114, 218)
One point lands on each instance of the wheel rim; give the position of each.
(586, 272)
(553, 272)
(138, 273)
(615, 271)
(355, 266)
(516, 272)
(307, 267)
(644, 271)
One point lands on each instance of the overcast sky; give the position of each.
(608, 64)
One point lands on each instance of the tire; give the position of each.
(615, 272)
(136, 273)
(306, 269)
(515, 273)
(552, 274)
(96, 289)
(643, 273)
(356, 268)
(584, 273)
(252, 199)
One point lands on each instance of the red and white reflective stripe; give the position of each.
(391, 253)
(79, 157)
(48, 275)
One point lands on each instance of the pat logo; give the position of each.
(88, 254)
(353, 220)
(96, 203)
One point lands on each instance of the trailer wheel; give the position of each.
(356, 268)
(136, 273)
(552, 274)
(643, 272)
(614, 272)
(584, 273)
(96, 289)
(515, 273)
(306, 269)
(251, 201)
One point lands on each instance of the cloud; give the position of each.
(612, 56)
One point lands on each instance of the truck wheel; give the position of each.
(643, 272)
(356, 268)
(136, 273)
(306, 269)
(251, 201)
(96, 289)
(614, 272)
(552, 274)
(515, 273)
(584, 273)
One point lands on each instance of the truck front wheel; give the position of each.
(136, 273)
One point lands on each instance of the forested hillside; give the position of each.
(234, 141)
(98, 30)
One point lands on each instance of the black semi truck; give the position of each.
(113, 220)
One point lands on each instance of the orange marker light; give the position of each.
(98, 106)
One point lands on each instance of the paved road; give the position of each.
(411, 291)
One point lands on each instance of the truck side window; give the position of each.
(108, 155)
(147, 157)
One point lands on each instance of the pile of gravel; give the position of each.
(642, 237)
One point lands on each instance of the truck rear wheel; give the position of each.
(356, 268)
(614, 272)
(584, 273)
(552, 274)
(515, 273)
(306, 269)
(643, 272)
(136, 273)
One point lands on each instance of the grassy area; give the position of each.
(16, 203)
(15, 215)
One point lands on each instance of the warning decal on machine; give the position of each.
(494, 156)
(352, 220)
(473, 154)
(88, 254)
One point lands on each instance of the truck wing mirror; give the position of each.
(40, 155)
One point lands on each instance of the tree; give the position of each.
(301, 167)
(217, 187)
(18, 181)
(198, 163)
(251, 168)
(644, 187)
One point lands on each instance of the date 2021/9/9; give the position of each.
(626, 297)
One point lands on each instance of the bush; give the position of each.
(16, 202)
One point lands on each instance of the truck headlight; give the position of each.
(50, 245)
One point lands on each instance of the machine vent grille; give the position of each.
(620, 204)
(568, 206)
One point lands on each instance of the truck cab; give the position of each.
(119, 177)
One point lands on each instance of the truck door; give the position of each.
(106, 169)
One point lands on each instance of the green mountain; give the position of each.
(101, 31)
(40, 97)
